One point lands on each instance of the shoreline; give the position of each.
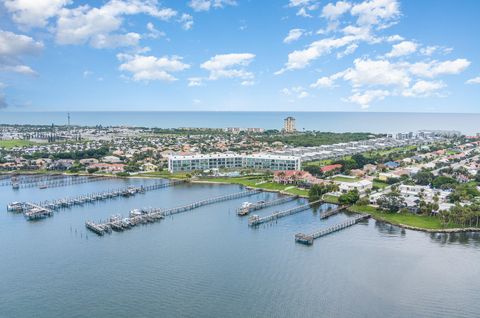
(375, 217)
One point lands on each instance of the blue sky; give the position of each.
(285, 55)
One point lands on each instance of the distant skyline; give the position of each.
(234, 55)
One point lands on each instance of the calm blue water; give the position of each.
(322, 121)
(209, 263)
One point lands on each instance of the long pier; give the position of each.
(55, 182)
(142, 216)
(244, 210)
(331, 212)
(308, 239)
(255, 220)
(26, 207)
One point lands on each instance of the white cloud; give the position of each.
(423, 88)
(12, 48)
(429, 50)
(195, 81)
(368, 72)
(304, 7)
(402, 49)
(435, 68)
(323, 82)
(20, 69)
(206, 5)
(229, 66)
(187, 21)
(247, 83)
(349, 50)
(293, 35)
(295, 91)
(334, 11)
(148, 68)
(376, 12)
(394, 38)
(301, 58)
(475, 80)
(85, 24)
(103, 41)
(34, 13)
(374, 80)
(153, 32)
(87, 73)
(12, 44)
(366, 98)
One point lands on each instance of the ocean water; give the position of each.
(209, 263)
(321, 121)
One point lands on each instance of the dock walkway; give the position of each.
(331, 212)
(53, 182)
(26, 207)
(261, 205)
(255, 220)
(308, 239)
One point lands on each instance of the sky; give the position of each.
(240, 55)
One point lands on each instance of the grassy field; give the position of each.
(380, 184)
(330, 198)
(345, 179)
(15, 143)
(164, 174)
(420, 221)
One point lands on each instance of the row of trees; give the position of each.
(318, 190)
(74, 155)
(466, 216)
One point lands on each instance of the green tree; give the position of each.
(351, 197)
(423, 177)
(391, 202)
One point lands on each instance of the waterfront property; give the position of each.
(177, 163)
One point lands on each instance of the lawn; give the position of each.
(330, 198)
(164, 174)
(380, 184)
(345, 179)
(259, 183)
(7, 144)
(420, 221)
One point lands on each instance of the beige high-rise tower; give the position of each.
(289, 125)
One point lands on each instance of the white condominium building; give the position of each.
(232, 161)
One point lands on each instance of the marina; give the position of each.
(53, 181)
(169, 256)
(32, 209)
(308, 239)
(143, 216)
(35, 212)
(255, 220)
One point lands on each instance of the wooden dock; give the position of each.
(255, 220)
(261, 205)
(308, 239)
(143, 216)
(54, 181)
(55, 205)
(36, 212)
(333, 211)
